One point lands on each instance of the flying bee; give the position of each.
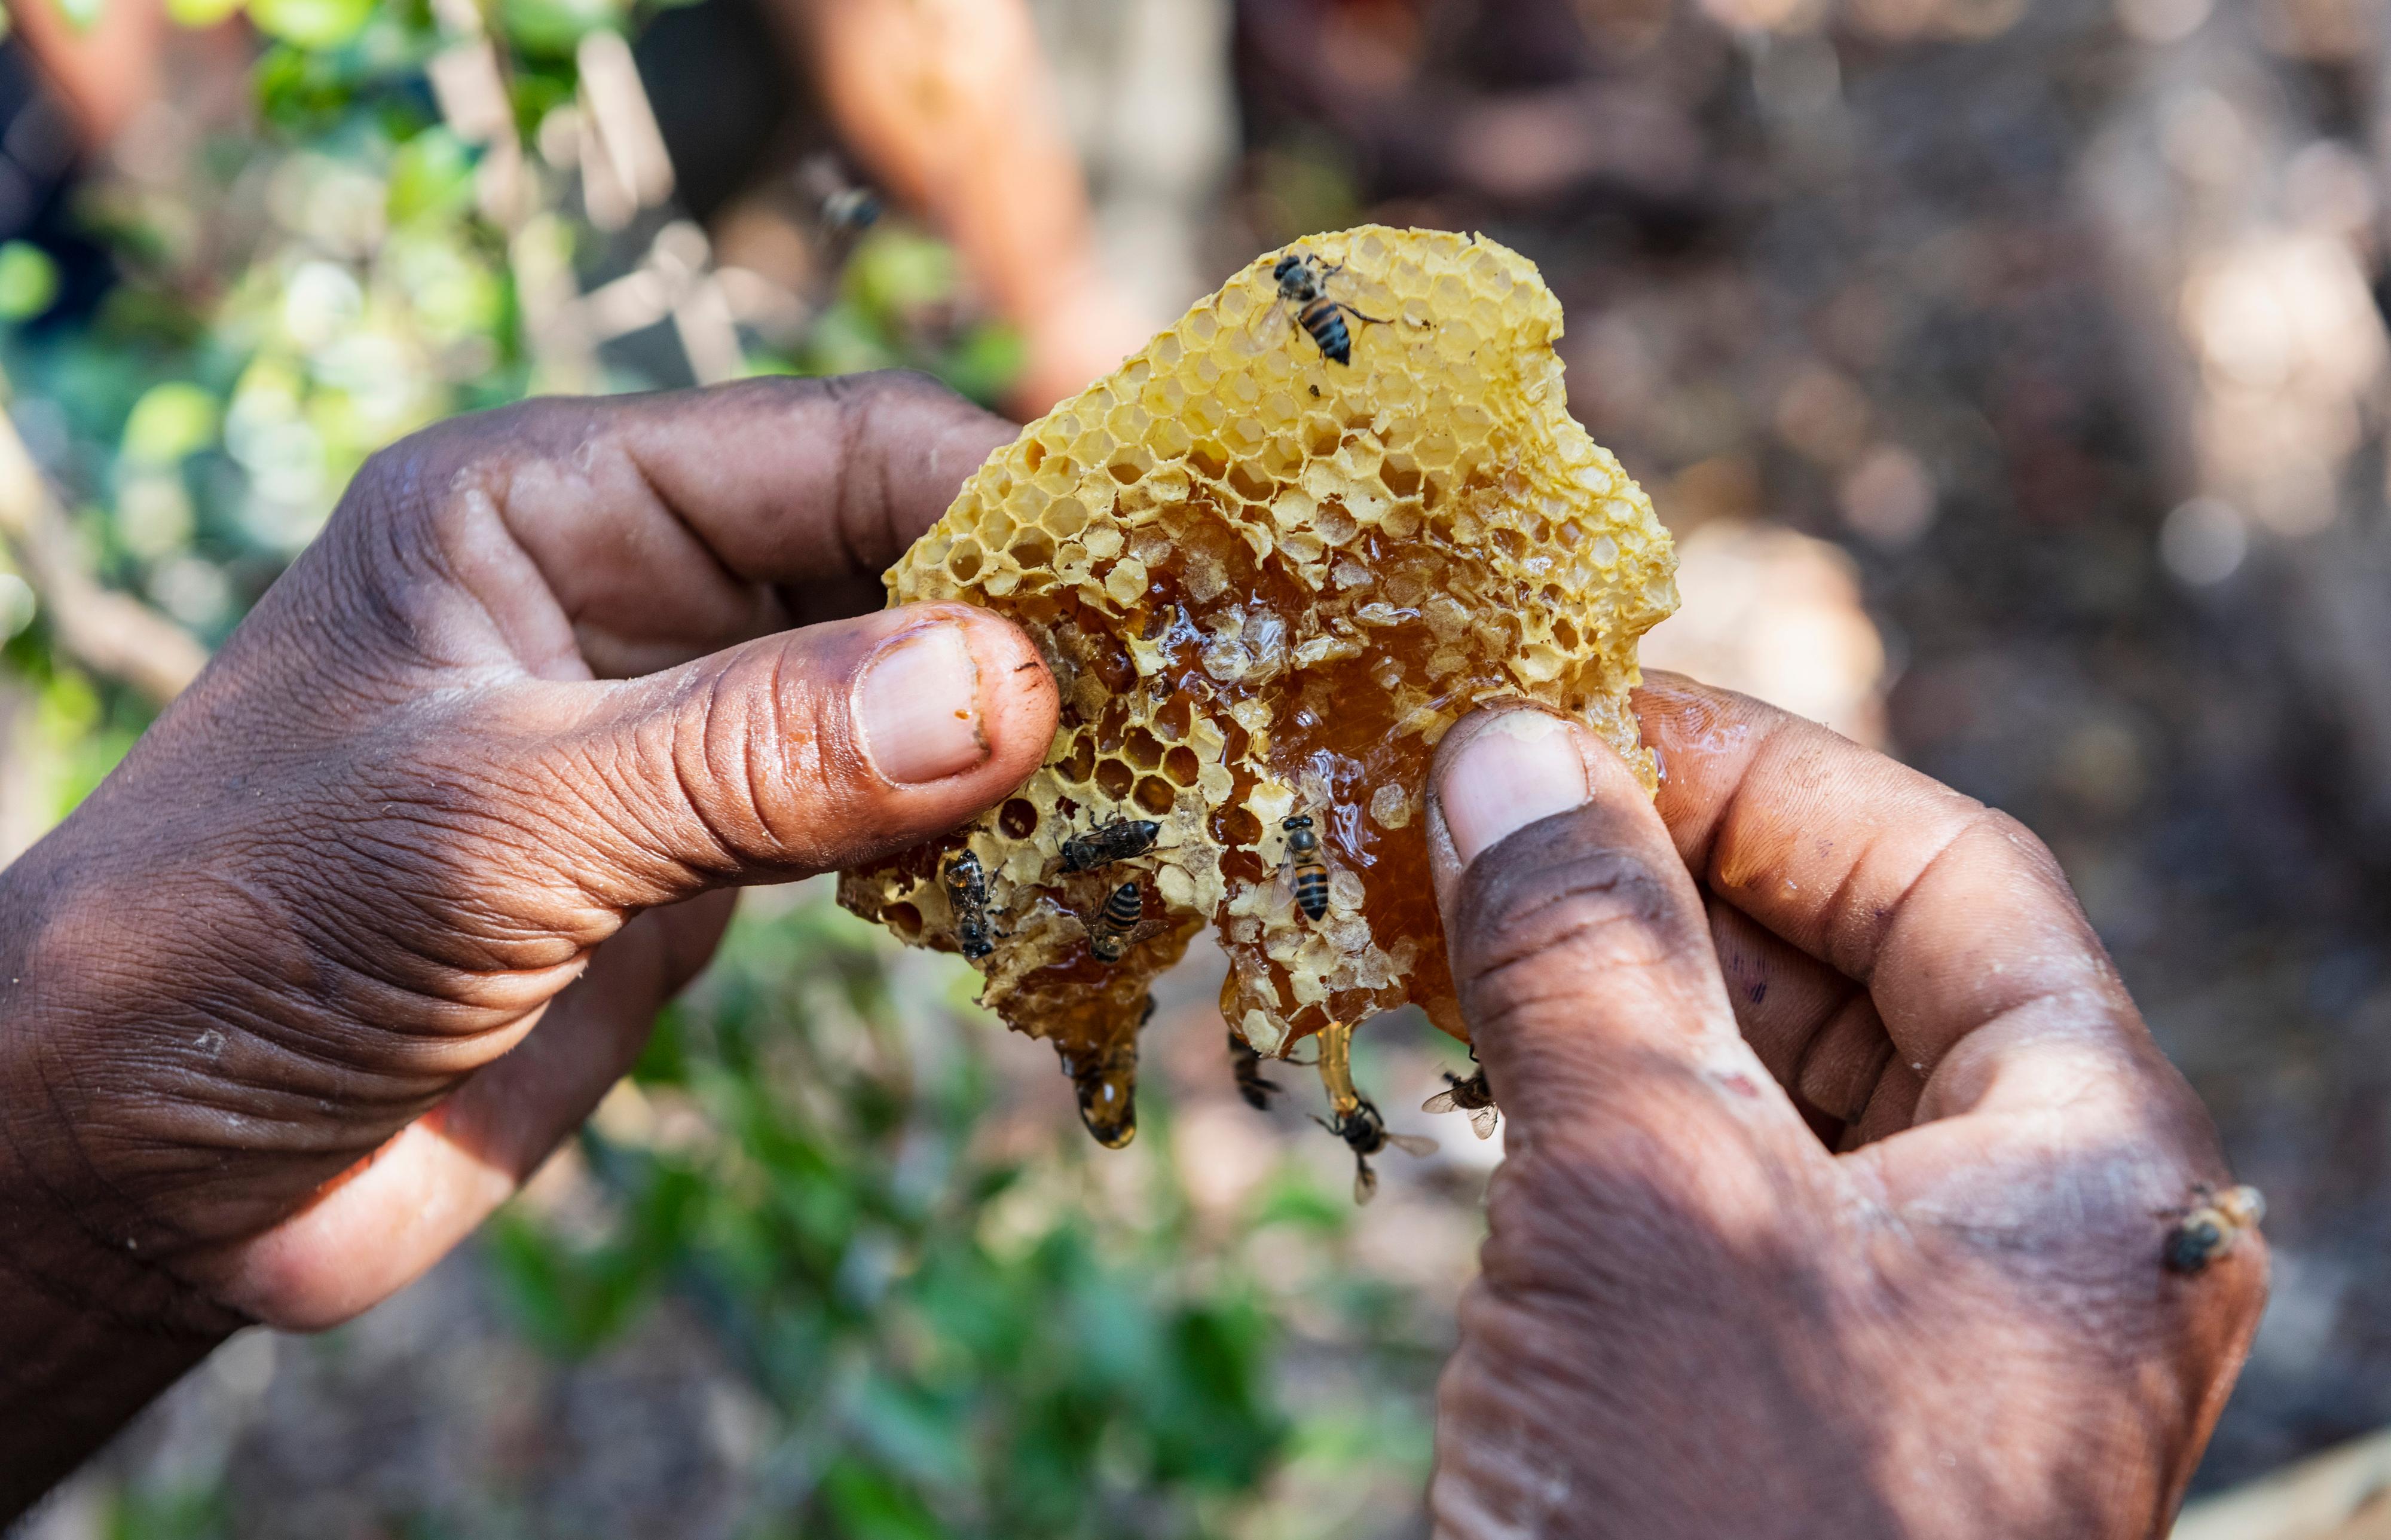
(846, 210)
(851, 208)
(1247, 1065)
(1303, 283)
(966, 887)
(2213, 1226)
(1470, 1096)
(1116, 842)
(1364, 1132)
(1120, 924)
(1305, 869)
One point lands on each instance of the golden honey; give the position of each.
(1267, 584)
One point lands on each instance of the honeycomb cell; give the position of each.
(1266, 585)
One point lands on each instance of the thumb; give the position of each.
(1580, 949)
(799, 753)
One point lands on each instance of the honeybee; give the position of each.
(1303, 283)
(1116, 842)
(1247, 1065)
(1105, 1085)
(1472, 1095)
(1364, 1132)
(966, 887)
(1304, 868)
(1119, 925)
(2213, 1226)
(846, 210)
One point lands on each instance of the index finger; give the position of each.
(672, 525)
(1954, 916)
(781, 480)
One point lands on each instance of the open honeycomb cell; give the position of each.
(1267, 584)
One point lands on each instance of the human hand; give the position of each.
(487, 759)
(1839, 1162)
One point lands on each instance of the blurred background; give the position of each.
(2012, 373)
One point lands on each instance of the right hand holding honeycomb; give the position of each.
(1841, 1166)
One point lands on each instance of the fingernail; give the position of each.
(1519, 768)
(918, 702)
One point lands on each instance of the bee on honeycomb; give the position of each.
(1267, 582)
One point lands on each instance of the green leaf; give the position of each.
(894, 273)
(170, 423)
(431, 177)
(865, 1504)
(985, 362)
(553, 28)
(911, 1432)
(312, 23)
(203, 13)
(29, 281)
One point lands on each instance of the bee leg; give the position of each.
(1374, 320)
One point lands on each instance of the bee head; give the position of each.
(1287, 264)
(1302, 820)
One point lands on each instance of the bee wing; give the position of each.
(1365, 1181)
(1483, 1120)
(1441, 1102)
(1273, 313)
(1412, 1144)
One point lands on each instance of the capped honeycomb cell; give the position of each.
(1267, 582)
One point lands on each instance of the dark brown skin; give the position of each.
(267, 1001)
(1695, 1319)
(406, 816)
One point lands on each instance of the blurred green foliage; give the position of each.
(956, 1333)
(960, 1345)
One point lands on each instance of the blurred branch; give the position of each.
(109, 633)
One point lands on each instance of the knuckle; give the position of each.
(2026, 846)
(417, 468)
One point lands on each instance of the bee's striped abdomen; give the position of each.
(1326, 321)
(1109, 938)
(1307, 874)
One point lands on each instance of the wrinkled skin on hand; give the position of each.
(1839, 1167)
(487, 759)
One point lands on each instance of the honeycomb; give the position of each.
(1267, 582)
